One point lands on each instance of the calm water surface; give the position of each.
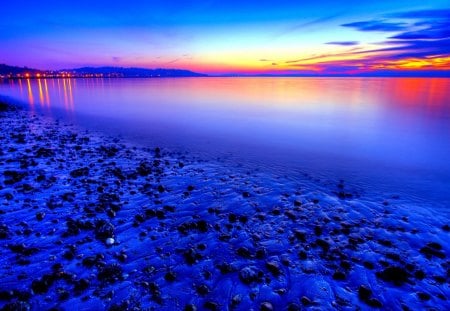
(386, 134)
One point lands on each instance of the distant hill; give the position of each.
(14, 72)
(136, 72)
(6, 69)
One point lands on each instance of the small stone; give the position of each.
(364, 292)
(374, 303)
(273, 267)
(170, 276)
(339, 275)
(306, 301)
(40, 216)
(190, 307)
(266, 306)
(424, 296)
(293, 307)
(394, 274)
(202, 290)
(250, 274)
(110, 241)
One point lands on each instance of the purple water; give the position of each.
(386, 135)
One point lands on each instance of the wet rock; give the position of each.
(374, 303)
(190, 307)
(202, 289)
(323, 244)
(191, 256)
(423, 296)
(4, 231)
(104, 230)
(236, 300)
(394, 274)
(266, 306)
(339, 275)
(244, 252)
(261, 253)
(211, 305)
(246, 194)
(41, 286)
(293, 307)
(273, 267)
(250, 274)
(45, 153)
(40, 216)
(23, 249)
(12, 177)
(17, 306)
(80, 172)
(82, 285)
(364, 292)
(306, 301)
(225, 268)
(110, 273)
(300, 235)
(433, 249)
(170, 276)
(302, 255)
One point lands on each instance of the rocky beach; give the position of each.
(92, 222)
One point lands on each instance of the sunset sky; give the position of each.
(230, 37)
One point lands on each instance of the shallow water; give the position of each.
(388, 135)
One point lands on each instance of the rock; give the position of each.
(374, 303)
(394, 274)
(41, 286)
(250, 274)
(339, 275)
(202, 289)
(104, 229)
(211, 305)
(433, 249)
(83, 171)
(110, 273)
(323, 244)
(364, 292)
(190, 307)
(300, 235)
(274, 268)
(40, 216)
(306, 301)
(446, 228)
(266, 306)
(423, 296)
(236, 300)
(170, 276)
(244, 252)
(17, 305)
(293, 307)
(246, 194)
(110, 241)
(12, 177)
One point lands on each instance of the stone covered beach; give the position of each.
(90, 222)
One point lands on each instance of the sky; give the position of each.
(230, 37)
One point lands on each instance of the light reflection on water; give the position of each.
(394, 131)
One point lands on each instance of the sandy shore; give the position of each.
(88, 222)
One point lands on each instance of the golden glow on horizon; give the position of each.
(415, 63)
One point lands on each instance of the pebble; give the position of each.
(266, 306)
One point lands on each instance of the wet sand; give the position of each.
(90, 222)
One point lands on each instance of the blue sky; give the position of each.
(229, 36)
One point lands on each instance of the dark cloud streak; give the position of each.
(376, 25)
(343, 43)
